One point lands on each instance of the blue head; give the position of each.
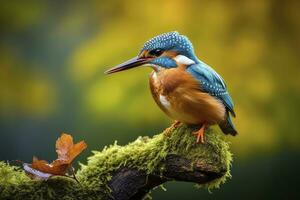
(168, 50)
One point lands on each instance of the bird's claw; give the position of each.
(200, 134)
(169, 130)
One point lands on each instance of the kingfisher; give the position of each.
(185, 88)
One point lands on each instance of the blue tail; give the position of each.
(227, 126)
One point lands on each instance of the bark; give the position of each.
(133, 184)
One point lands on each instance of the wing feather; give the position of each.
(212, 83)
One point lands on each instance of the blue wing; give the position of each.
(212, 83)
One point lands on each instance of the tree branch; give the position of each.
(131, 171)
(133, 184)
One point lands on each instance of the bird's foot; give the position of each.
(169, 130)
(200, 134)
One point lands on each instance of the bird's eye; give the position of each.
(156, 52)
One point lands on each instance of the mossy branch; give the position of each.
(131, 171)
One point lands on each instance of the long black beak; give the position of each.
(134, 62)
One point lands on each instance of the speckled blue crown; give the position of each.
(170, 41)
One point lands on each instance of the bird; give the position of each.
(184, 87)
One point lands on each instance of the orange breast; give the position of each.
(179, 95)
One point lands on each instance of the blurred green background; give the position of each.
(53, 55)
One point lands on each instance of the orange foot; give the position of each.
(169, 130)
(200, 134)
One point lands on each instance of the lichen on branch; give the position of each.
(147, 161)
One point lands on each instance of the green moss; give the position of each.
(11, 174)
(14, 184)
(144, 154)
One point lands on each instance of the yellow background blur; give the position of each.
(53, 55)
